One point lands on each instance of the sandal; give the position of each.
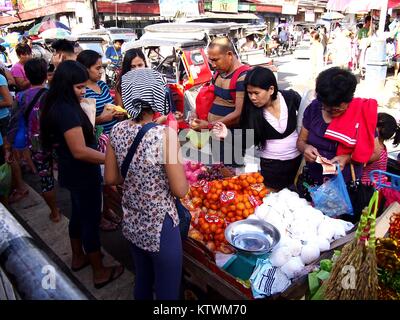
(107, 225)
(113, 276)
(55, 219)
(17, 195)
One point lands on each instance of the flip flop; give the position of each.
(113, 217)
(55, 220)
(107, 225)
(84, 265)
(111, 278)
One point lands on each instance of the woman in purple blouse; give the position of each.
(335, 90)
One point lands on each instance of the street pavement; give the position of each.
(294, 74)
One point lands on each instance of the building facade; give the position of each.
(88, 14)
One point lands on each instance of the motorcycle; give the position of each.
(112, 71)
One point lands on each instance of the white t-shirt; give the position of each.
(280, 149)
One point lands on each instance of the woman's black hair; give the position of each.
(62, 95)
(22, 48)
(126, 63)
(387, 127)
(252, 117)
(88, 58)
(334, 86)
(36, 70)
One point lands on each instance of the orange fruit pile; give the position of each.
(228, 200)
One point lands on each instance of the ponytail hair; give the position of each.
(396, 138)
(388, 128)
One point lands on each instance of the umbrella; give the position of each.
(354, 6)
(12, 38)
(367, 5)
(337, 5)
(55, 33)
(45, 25)
(363, 5)
(332, 15)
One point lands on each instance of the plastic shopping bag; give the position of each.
(5, 179)
(332, 197)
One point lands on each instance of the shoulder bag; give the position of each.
(183, 213)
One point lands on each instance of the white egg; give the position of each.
(294, 246)
(327, 230)
(339, 229)
(280, 256)
(323, 244)
(298, 228)
(315, 216)
(264, 212)
(296, 203)
(293, 267)
(286, 194)
(309, 253)
(283, 242)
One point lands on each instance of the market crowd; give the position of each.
(67, 119)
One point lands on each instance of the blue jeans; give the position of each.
(162, 270)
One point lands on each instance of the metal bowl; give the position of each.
(252, 236)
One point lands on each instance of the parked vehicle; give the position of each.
(109, 35)
(40, 49)
(183, 63)
(178, 51)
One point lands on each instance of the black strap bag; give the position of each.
(184, 215)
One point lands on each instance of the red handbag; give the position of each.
(205, 97)
(204, 100)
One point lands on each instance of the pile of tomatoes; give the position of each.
(220, 202)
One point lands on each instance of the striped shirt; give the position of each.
(380, 164)
(102, 98)
(223, 103)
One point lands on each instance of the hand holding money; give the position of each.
(328, 166)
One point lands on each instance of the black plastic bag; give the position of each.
(184, 219)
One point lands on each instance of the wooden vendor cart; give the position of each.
(202, 278)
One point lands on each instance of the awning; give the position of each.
(111, 17)
(20, 24)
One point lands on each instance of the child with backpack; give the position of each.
(29, 106)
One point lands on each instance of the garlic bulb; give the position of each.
(323, 244)
(280, 256)
(293, 267)
(294, 246)
(326, 229)
(309, 253)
